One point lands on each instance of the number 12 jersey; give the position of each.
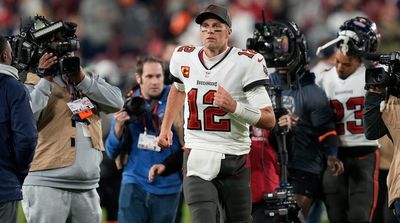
(207, 127)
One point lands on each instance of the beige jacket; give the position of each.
(56, 142)
(391, 117)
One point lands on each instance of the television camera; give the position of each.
(379, 77)
(135, 107)
(282, 45)
(33, 41)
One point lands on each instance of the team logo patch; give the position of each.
(185, 71)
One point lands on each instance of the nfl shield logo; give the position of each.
(185, 71)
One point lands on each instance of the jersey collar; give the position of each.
(201, 58)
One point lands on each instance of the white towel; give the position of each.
(204, 164)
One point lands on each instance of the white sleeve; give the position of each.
(174, 67)
(39, 96)
(258, 97)
(256, 72)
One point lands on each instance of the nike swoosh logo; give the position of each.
(259, 60)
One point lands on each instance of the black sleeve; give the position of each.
(174, 79)
(262, 82)
(322, 120)
(374, 126)
(173, 163)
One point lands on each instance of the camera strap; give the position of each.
(81, 106)
(153, 107)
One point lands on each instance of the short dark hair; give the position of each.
(146, 59)
(3, 44)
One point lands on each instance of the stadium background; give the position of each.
(113, 33)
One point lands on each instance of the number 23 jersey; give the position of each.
(207, 127)
(347, 99)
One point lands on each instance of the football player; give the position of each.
(352, 196)
(223, 91)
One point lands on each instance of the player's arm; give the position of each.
(175, 102)
(258, 112)
(255, 114)
(322, 119)
(267, 119)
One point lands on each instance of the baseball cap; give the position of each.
(211, 11)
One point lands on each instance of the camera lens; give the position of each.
(135, 107)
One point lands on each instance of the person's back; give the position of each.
(307, 153)
(18, 135)
(311, 139)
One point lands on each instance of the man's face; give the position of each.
(214, 34)
(152, 80)
(6, 57)
(346, 64)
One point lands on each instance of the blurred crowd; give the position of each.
(115, 32)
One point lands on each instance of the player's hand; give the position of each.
(120, 118)
(164, 140)
(224, 100)
(335, 165)
(156, 169)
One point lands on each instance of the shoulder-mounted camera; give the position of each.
(379, 77)
(38, 36)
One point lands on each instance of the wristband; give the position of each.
(247, 114)
(179, 86)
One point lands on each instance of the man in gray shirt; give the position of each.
(61, 185)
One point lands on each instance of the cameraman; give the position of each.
(140, 200)
(312, 135)
(378, 123)
(61, 185)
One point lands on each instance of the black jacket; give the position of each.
(18, 137)
(374, 126)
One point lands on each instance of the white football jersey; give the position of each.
(207, 127)
(347, 99)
